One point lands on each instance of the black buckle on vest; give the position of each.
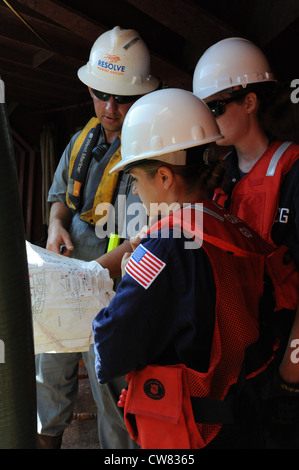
(99, 151)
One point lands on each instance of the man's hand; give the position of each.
(136, 240)
(58, 235)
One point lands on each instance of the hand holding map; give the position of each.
(66, 295)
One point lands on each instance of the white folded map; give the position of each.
(66, 295)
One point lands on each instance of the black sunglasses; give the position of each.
(218, 106)
(120, 99)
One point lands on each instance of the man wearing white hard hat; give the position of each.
(117, 73)
(235, 79)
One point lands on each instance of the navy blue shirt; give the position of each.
(169, 322)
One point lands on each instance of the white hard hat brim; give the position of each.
(164, 156)
(114, 86)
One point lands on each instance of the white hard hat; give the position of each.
(229, 63)
(119, 63)
(162, 124)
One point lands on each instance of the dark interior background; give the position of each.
(44, 42)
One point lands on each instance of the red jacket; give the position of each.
(160, 397)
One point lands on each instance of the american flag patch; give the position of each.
(144, 267)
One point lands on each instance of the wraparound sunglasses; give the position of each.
(120, 99)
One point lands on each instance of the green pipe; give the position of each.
(17, 367)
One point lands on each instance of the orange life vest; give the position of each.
(255, 200)
(255, 197)
(159, 397)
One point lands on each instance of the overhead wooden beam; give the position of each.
(40, 57)
(32, 78)
(24, 55)
(67, 17)
(60, 40)
(279, 14)
(84, 27)
(187, 19)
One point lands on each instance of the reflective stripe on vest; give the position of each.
(216, 226)
(276, 157)
(255, 197)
